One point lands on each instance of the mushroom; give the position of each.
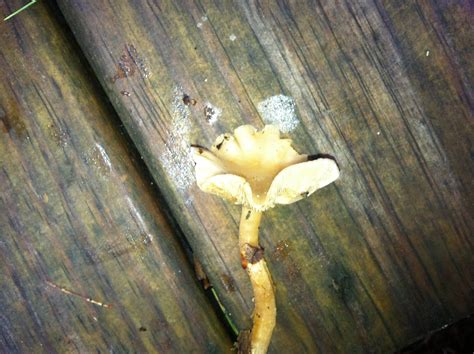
(258, 169)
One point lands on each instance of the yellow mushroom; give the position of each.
(258, 169)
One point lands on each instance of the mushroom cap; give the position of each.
(259, 169)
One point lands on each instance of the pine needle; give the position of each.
(20, 10)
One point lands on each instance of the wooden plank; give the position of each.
(368, 264)
(88, 260)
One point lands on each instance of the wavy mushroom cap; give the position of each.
(259, 169)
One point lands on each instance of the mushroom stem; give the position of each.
(264, 315)
(249, 224)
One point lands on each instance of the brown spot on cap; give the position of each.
(323, 156)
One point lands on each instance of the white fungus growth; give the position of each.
(279, 110)
(176, 157)
(104, 156)
(98, 159)
(212, 113)
(203, 19)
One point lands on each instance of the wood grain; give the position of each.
(88, 260)
(368, 264)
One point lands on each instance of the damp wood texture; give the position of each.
(88, 259)
(368, 264)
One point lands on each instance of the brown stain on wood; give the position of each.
(281, 251)
(201, 274)
(125, 68)
(229, 282)
(11, 119)
(129, 64)
(59, 136)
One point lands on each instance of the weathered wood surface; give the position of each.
(385, 254)
(369, 264)
(77, 213)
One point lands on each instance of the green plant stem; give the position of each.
(228, 319)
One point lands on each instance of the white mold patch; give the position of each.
(98, 159)
(212, 113)
(145, 236)
(104, 156)
(279, 110)
(200, 23)
(176, 157)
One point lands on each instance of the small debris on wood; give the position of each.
(200, 274)
(243, 342)
(70, 292)
(129, 63)
(187, 100)
(228, 282)
(282, 250)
